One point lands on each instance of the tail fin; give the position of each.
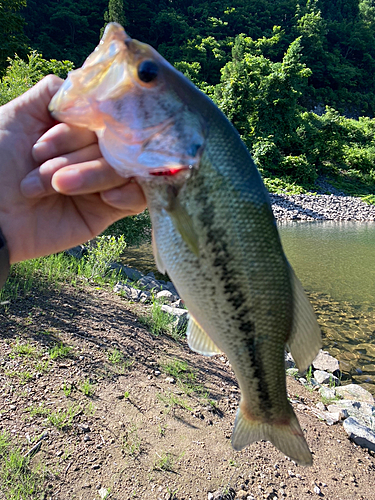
(287, 437)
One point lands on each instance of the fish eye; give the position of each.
(147, 71)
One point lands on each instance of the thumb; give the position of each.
(32, 106)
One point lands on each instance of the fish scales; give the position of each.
(213, 228)
(225, 288)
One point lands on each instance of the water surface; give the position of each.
(335, 262)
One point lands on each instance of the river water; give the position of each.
(335, 262)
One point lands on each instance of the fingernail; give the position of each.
(67, 181)
(31, 186)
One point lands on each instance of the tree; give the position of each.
(114, 14)
(12, 38)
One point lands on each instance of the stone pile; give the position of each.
(350, 404)
(321, 207)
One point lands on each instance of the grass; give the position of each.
(60, 351)
(115, 356)
(173, 401)
(158, 321)
(18, 480)
(24, 349)
(61, 419)
(64, 418)
(184, 375)
(67, 388)
(164, 462)
(131, 442)
(87, 388)
(59, 269)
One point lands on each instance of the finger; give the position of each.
(38, 182)
(86, 178)
(60, 140)
(129, 198)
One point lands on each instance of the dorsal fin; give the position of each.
(305, 339)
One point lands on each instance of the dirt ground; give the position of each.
(133, 415)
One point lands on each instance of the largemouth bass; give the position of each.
(213, 227)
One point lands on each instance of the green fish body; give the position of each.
(213, 231)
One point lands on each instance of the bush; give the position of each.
(360, 158)
(299, 169)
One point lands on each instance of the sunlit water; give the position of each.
(335, 262)
(336, 265)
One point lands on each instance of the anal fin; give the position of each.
(199, 341)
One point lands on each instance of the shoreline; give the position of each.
(321, 207)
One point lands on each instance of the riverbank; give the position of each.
(321, 207)
(105, 408)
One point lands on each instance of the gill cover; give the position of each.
(124, 93)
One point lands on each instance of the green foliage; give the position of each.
(115, 13)
(158, 321)
(105, 250)
(60, 351)
(18, 480)
(12, 38)
(266, 63)
(20, 75)
(135, 229)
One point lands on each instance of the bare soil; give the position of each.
(136, 434)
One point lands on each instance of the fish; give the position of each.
(213, 229)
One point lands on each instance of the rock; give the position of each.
(363, 412)
(221, 495)
(289, 361)
(181, 316)
(170, 380)
(126, 272)
(323, 377)
(166, 296)
(360, 434)
(170, 286)
(83, 428)
(292, 372)
(174, 311)
(324, 361)
(179, 304)
(77, 252)
(317, 490)
(320, 406)
(132, 293)
(356, 393)
(327, 393)
(149, 283)
(241, 494)
(341, 413)
(103, 493)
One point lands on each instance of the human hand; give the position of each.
(60, 192)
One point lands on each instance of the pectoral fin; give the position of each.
(183, 223)
(305, 339)
(199, 341)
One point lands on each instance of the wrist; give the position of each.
(4, 259)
